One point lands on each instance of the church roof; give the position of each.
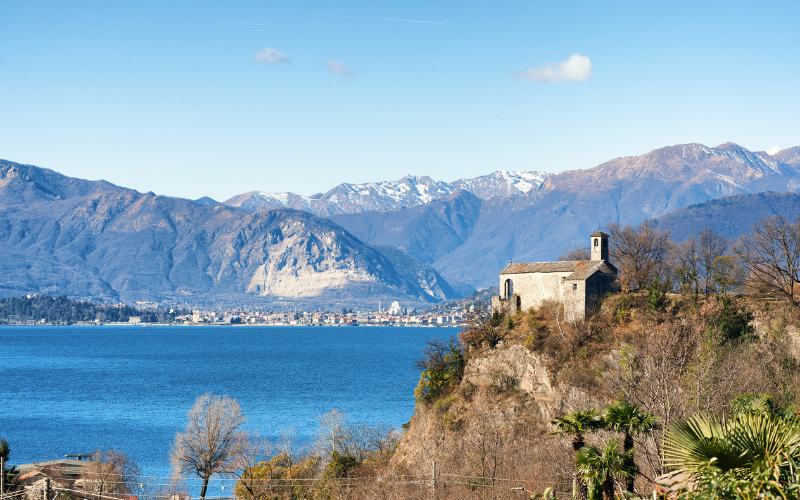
(579, 269)
(598, 233)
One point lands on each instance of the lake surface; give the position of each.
(66, 390)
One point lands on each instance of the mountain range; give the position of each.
(568, 206)
(93, 239)
(415, 240)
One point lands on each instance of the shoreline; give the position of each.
(154, 325)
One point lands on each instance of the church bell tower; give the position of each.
(599, 246)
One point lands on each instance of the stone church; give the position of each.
(574, 283)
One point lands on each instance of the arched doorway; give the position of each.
(508, 289)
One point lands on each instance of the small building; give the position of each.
(63, 473)
(575, 283)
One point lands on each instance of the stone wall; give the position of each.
(506, 305)
(534, 288)
(531, 289)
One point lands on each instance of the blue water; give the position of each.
(66, 390)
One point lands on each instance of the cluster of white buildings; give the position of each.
(395, 315)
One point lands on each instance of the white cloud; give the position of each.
(338, 68)
(774, 150)
(577, 68)
(271, 56)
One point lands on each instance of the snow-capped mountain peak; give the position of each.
(502, 183)
(409, 191)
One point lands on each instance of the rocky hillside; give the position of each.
(92, 239)
(489, 420)
(410, 191)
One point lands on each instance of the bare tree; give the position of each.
(555, 309)
(482, 326)
(685, 266)
(383, 437)
(711, 246)
(485, 444)
(289, 452)
(771, 254)
(205, 447)
(110, 473)
(728, 274)
(331, 434)
(580, 252)
(640, 252)
(248, 452)
(650, 374)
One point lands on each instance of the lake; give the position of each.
(67, 390)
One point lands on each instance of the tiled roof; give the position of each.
(29, 474)
(580, 269)
(561, 266)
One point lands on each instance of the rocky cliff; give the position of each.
(508, 389)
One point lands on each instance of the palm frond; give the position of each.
(743, 445)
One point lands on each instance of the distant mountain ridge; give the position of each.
(407, 192)
(569, 206)
(93, 239)
(790, 156)
(731, 216)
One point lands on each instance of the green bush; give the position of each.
(340, 466)
(622, 310)
(657, 294)
(731, 322)
(444, 367)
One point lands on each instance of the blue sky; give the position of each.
(195, 98)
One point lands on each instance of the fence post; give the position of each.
(47, 489)
(433, 474)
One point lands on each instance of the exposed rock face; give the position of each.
(92, 239)
(536, 400)
(516, 362)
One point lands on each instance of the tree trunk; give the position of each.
(627, 445)
(205, 487)
(608, 488)
(579, 489)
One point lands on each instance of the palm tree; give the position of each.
(753, 403)
(577, 424)
(743, 445)
(631, 421)
(599, 468)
